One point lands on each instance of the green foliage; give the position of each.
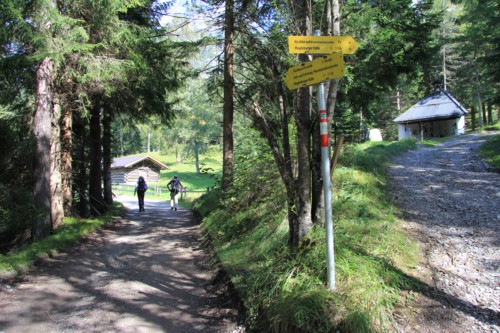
(490, 151)
(71, 231)
(285, 292)
(395, 46)
(206, 205)
(17, 216)
(17, 212)
(495, 127)
(480, 24)
(197, 122)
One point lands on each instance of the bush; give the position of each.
(17, 215)
(490, 151)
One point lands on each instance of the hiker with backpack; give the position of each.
(175, 186)
(140, 189)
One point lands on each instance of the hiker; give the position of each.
(175, 186)
(140, 189)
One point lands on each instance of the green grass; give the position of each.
(210, 163)
(196, 183)
(287, 293)
(373, 156)
(71, 231)
(494, 127)
(490, 151)
(435, 141)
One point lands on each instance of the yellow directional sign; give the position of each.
(315, 71)
(322, 44)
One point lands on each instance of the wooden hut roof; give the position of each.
(438, 105)
(129, 161)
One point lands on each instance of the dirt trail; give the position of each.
(450, 202)
(145, 273)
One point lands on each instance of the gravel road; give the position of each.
(450, 202)
(148, 272)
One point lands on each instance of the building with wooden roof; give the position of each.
(128, 169)
(437, 115)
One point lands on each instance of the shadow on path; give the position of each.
(144, 273)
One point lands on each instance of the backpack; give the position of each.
(141, 186)
(176, 185)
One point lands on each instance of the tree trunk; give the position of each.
(303, 121)
(67, 161)
(196, 157)
(121, 139)
(95, 175)
(41, 163)
(317, 199)
(473, 73)
(490, 115)
(149, 140)
(473, 117)
(80, 165)
(283, 164)
(228, 145)
(303, 182)
(285, 137)
(56, 195)
(485, 120)
(106, 155)
(332, 27)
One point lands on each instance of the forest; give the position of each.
(85, 81)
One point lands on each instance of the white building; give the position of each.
(437, 115)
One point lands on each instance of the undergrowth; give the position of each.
(490, 151)
(287, 293)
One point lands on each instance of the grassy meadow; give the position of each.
(195, 183)
(186, 171)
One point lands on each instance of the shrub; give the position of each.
(17, 215)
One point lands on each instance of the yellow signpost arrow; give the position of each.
(316, 71)
(322, 44)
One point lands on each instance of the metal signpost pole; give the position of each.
(329, 66)
(325, 163)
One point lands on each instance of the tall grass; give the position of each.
(287, 293)
(490, 151)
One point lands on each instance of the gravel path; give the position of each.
(147, 272)
(450, 202)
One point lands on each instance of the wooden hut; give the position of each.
(129, 168)
(437, 115)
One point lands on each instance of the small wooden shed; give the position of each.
(129, 168)
(437, 115)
